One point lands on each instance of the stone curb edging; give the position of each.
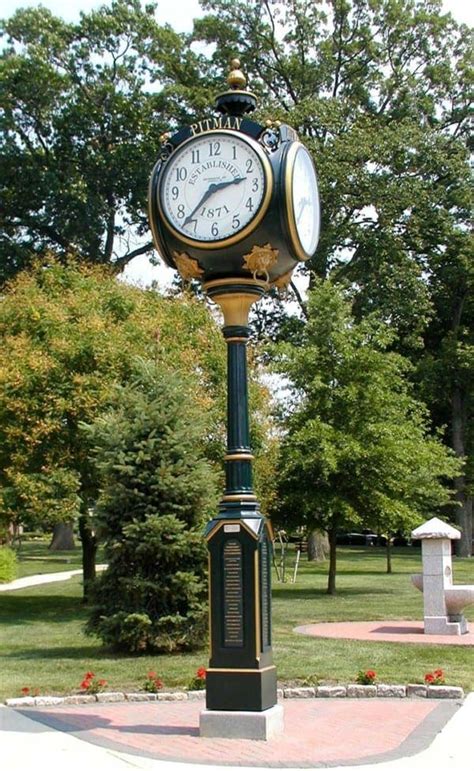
(352, 690)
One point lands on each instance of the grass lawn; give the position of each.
(35, 559)
(42, 643)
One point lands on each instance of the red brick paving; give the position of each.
(317, 731)
(383, 631)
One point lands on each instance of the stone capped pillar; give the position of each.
(436, 537)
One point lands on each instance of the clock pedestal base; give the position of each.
(229, 724)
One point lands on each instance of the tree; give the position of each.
(380, 92)
(77, 148)
(68, 335)
(157, 490)
(357, 448)
(446, 367)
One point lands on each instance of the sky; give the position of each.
(179, 14)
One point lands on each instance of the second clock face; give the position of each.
(215, 188)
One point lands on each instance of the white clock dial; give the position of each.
(304, 214)
(215, 188)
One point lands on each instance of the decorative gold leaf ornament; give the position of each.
(260, 259)
(186, 266)
(283, 282)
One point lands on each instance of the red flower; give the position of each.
(85, 684)
(102, 683)
(370, 673)
(429, 677)
(201, 673)
(89, 675)
(151, 675)
(438, 673)
(158, 683)
(25, 691)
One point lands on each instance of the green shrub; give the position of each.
(7, 565)
(157, 490)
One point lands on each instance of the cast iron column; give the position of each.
(241, 674)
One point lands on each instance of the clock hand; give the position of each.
(213, 188)
(304, 202)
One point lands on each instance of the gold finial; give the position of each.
(236, 79)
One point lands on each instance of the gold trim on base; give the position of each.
(237, 670)
(223, 522)
(258, 636)
(239, 456)
(239, 498)
(210, 601)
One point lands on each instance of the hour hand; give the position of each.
(213, 188)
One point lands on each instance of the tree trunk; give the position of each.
(89, 550)
(389, 554)
(464, 510)
(332, 533)
(63, 537)
(318, 546)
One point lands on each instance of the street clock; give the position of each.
(235, 204)
(231, 197)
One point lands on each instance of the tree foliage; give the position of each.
(357, 449)
(381, 93)
(69, 334)
(157, 491)
(82, 109)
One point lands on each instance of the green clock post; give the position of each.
(235, 205)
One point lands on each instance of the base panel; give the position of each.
(238, 689)
(231, 724)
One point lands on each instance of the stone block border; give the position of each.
(352, 690)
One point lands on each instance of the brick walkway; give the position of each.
(386, 631)
(317, 732)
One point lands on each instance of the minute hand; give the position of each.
(213, 188)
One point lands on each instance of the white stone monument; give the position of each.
(443, 602)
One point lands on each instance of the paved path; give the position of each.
(386, 631)
(402, 735)
(43, 578)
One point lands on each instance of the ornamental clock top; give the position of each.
(232, 199)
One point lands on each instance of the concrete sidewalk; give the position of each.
(43, 578)
(28, 738)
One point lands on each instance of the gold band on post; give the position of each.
(235, 305)
(239, 498)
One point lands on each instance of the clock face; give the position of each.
(303, 202)
(215, 188)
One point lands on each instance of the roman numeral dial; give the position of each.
(215, 188)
